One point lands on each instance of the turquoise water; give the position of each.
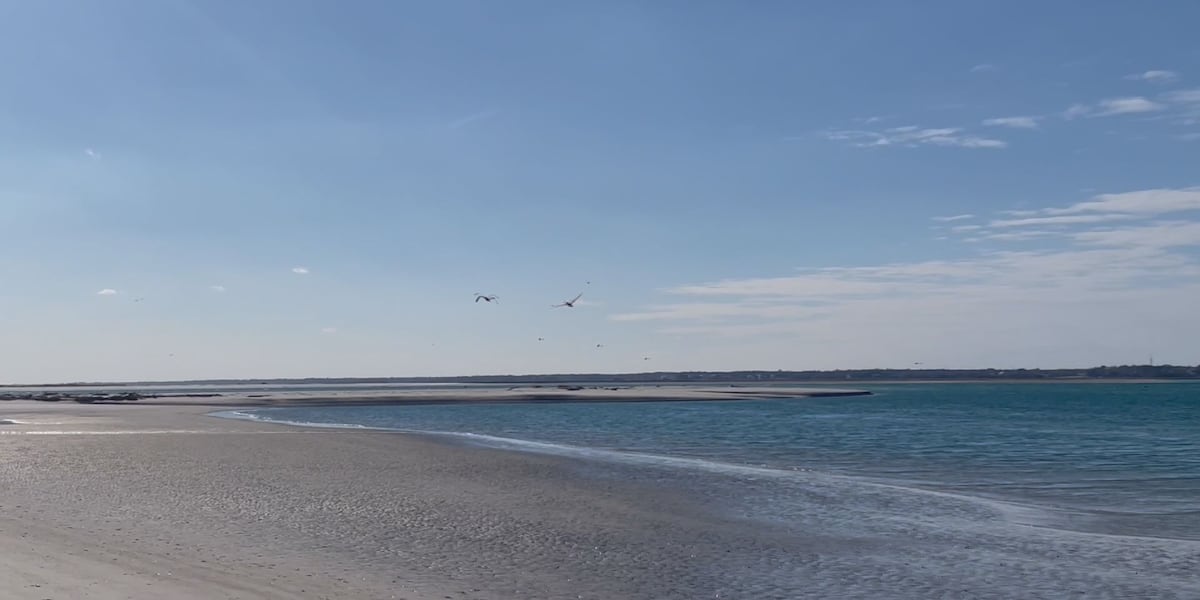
(1108, 458)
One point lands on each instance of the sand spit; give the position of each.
(527, 394)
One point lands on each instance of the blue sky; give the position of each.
(778, 186)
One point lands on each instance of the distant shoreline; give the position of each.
(523, 395)
(1115, 374)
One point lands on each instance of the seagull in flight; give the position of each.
(568, 303)
(486, 298)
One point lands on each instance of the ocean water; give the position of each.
(1114, 459)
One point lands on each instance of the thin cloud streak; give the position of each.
(473, 118)
(1013, 122)
(1145, 202)
(1154, 76)
(912, 136)
(1060, 220)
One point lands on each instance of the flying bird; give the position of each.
(599, 345)
(568, 303)
(486, 298)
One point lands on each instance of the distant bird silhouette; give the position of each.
(485, 298)
(541, 339)
(138, 299)
(645, 358)
(568, 303)
(599, 345)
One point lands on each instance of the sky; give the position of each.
(295, 188)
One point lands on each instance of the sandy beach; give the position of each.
(163, 501)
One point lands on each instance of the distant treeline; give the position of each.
(859, 375)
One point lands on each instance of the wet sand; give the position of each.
(132, 501)
(106, 501)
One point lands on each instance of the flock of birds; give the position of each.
(490, 298)
(493, 298)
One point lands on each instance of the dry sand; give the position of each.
(132, 501)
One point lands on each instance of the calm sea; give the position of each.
(1102, 458)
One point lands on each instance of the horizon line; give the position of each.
(444, 378)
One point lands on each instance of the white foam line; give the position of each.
(245, 416)
(1007, 509)
(551, 448)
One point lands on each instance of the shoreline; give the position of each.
(148, 501)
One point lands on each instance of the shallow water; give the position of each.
(1109, 458)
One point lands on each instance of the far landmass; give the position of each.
(1136, 372)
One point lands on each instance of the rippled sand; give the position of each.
(164, 502)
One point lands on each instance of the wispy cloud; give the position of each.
(1183, 96)
(1142, 202)
(952, 218)
(912, 136)
(300, 270)
(1154, 76)
(1187, 105)
(1058, 220)
(982, 68)
(1125, 106)
(1078, 265)
(107, 292)
(1172, 234)
(1112, 107)
(473, 118)
(1014, 122)
(329, 330)
(217, 288)
(91, 153)
(1076, 110)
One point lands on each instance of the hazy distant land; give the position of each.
(1107, 373)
